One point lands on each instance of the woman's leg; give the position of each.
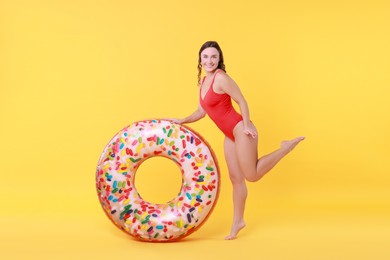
(240, 191)
(246, 150)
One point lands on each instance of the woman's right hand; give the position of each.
(195, 116)
(175, 120)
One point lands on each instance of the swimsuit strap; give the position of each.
(212, 82)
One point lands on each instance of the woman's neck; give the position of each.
(211, 73)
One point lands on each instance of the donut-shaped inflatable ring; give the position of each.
(124, 206)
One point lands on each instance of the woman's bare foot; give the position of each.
(235, 229)
(289, 145)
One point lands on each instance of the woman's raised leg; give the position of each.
(240, 191)
(246, 150)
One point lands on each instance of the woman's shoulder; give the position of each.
(222, 77)
(223, 82)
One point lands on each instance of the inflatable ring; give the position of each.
(179, 217)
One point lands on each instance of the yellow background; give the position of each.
(73, 73)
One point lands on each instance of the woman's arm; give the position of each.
(223, 83)
(197, 115)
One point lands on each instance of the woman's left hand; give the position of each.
(250, 131)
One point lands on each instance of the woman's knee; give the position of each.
(237, 179)
(251, 178)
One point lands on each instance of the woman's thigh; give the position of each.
(232, 162)
(246, 149)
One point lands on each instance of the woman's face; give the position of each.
(209, 59)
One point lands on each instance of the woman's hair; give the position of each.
(209, 44)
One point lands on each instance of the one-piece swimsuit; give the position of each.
(220, 109)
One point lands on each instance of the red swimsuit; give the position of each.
(220, 109)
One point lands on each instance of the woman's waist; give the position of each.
(219, 116)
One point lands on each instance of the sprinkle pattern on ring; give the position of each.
(144, 220)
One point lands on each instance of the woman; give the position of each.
(240, 146)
